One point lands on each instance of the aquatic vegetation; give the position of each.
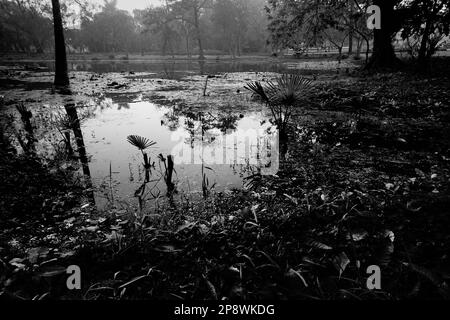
(142, 144)
(207, 187)
(169, 169)
(281, 96)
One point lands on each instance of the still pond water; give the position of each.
(116, 167)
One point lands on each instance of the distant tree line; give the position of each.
(178, 27)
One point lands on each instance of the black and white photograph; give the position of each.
(224, 152)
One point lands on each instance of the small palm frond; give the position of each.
(257, 89)
(140, 142)
(289, 89)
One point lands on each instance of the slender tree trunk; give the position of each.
(188, 52)
(359, 47)
(201, 54)
(351, 32)
(164, 46)
(61, 73)
(350, 43)
(422, 59)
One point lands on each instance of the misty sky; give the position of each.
(130, 5)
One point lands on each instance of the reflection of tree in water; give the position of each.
(244, 170)
(204, 128)
(199, 124)
(201, 64)
(29, 145)
(171, 120)
(123, 105)
(201, 128)
(149, 189)
(169, 70)
(75, 124)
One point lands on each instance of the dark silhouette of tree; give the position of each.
(110, 30)
(427, 24)
(230, 20)
(25, 26)
(383, 55)
(190, 11)
(161, 21)
(61, 73)
(302, 24)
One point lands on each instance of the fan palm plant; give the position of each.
(142, 144)
(287, 92)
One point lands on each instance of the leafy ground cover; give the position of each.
(365, 182)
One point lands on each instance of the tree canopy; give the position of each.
(297, 23)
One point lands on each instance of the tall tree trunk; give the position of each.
(423, 47)
(201, 54)
(61, 73)
(350, 43)
(383, 55)
(188, 51)
(423, 57)
(359, 47)
(350, 32)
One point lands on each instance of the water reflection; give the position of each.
(75, 124)
(27, 145)
(172, 129)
